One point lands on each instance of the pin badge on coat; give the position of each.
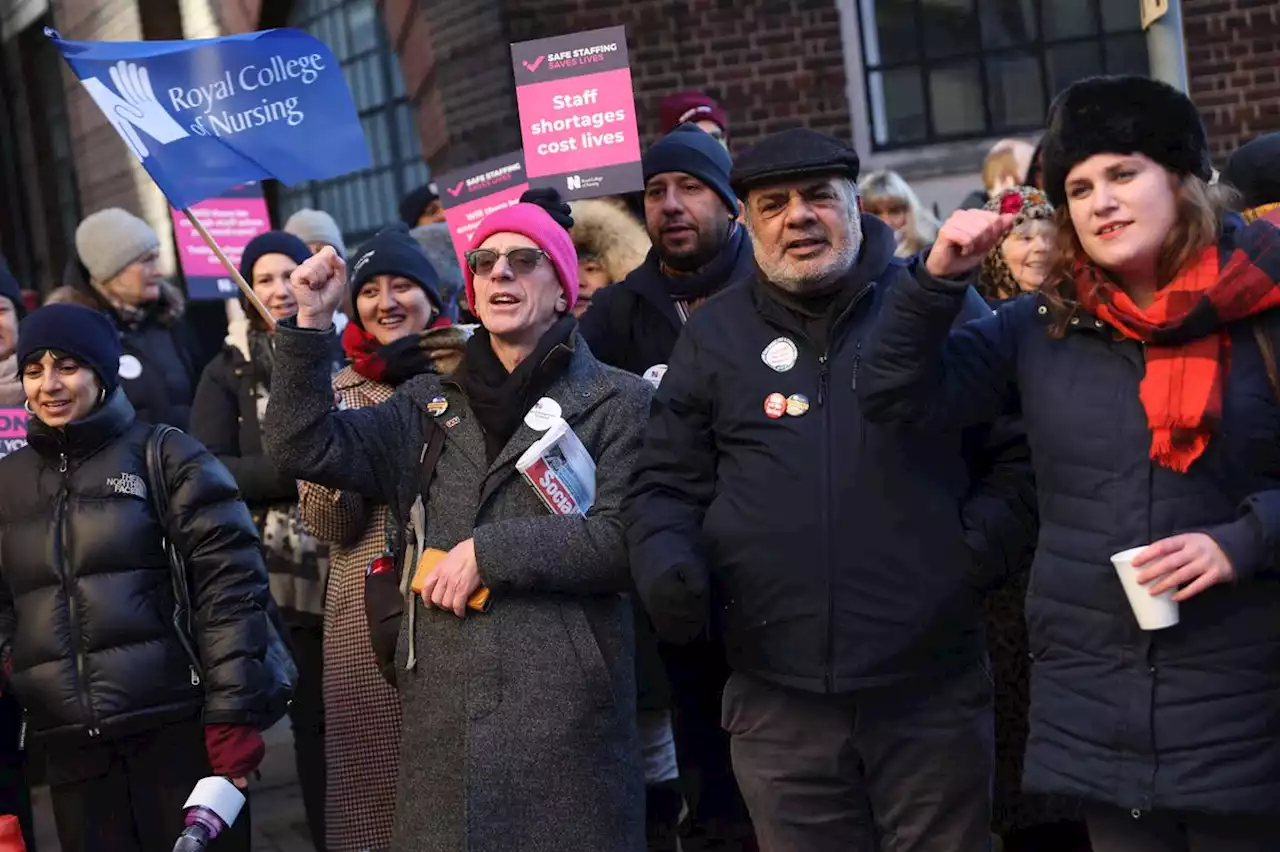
(781, 354)
(544, 413)
(130, 367)
(437, 406)
(654, 375)
(797, 404)
(775, 405)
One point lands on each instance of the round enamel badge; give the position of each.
(130, 367)
(775, 405)
(781, 354)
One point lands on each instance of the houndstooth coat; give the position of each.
(518, 725)
(362, 711)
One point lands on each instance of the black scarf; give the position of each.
(500, 399)
(262, 355)
(707, 280)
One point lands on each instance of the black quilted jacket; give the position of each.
(86, 598)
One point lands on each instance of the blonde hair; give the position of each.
(921, 228)
(1201, 207)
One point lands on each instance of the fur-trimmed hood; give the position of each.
(610, 235)
(167, 310)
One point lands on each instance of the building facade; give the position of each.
(920, 86)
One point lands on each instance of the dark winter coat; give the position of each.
(519, 724)
(846, 554)
(633, 325)
(1179, 719)
(86, 598)
(224, 417)
(160, 366)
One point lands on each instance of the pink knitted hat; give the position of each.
(535, 223)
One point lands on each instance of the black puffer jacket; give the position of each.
(86, 599)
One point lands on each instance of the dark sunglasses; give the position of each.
(521, 260)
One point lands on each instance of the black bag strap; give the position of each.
(431, 450)
(158, 493)
(156, 485)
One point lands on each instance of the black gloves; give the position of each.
(549, 200)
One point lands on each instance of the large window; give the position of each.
(942, 70)
(364, 201)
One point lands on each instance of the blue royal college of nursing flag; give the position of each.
(205, 115)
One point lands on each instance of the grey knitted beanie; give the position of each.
(316, 226)
(110, 240)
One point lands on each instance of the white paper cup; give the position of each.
(1153, 612)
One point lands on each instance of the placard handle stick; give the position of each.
(249, 295)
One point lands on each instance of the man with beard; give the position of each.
(698, 247)
(840, 559)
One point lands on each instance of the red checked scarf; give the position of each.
(1188, 347)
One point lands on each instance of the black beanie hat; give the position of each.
(1122, 115)
(272, 242)
(1254, 169)
(83, 333)
(692, 151)
(417, 201)
(393, 251)
(10, 289)
(794, 153)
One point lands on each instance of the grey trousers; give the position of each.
(903, 769)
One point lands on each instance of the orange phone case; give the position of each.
(430, 558)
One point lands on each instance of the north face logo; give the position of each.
(130, 484)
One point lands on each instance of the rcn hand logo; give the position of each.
(133, 107)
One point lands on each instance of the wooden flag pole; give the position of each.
(249, 295)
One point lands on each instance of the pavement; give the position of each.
(278, 821)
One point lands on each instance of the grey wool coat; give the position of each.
(518, 724)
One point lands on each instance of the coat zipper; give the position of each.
(73, 614)
(828, 498)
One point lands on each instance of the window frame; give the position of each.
(356, 200)
(1037, 48)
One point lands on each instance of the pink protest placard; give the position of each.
(13, 430)
(232, 219)
(578, 113)
(468, 195)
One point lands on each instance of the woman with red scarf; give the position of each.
(396, 332)
(1146, 373)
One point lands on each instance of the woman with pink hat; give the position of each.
(518, 720)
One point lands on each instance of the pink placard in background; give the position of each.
(559, 137)
(232, 220)
(578, 113)
(471, 193)
(13, 430)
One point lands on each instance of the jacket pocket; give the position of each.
(595, 671)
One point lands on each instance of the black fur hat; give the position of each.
(1122, 115)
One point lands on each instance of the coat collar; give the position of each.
(83, 438)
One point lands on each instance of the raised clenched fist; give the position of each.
(964, 240)
(318, 285)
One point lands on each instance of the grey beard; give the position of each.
(801, 284)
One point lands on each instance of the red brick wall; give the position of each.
(772, 64)
(1233, 62)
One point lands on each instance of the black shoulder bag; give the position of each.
(383, 603)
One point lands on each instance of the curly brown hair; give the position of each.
(1201, 207)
